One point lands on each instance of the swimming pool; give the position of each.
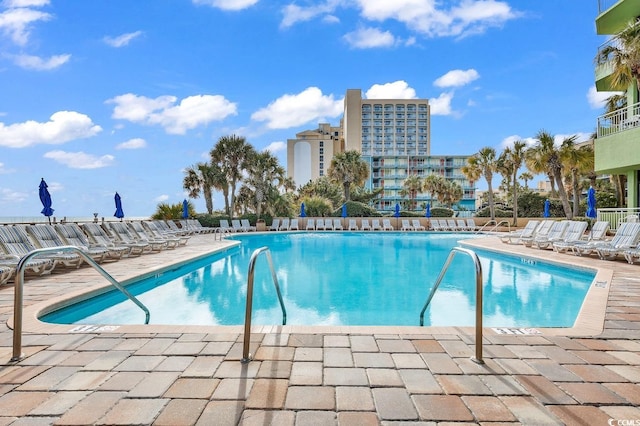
(348, 279)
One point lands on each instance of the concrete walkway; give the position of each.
(171, 375)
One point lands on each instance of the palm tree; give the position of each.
(232, 154)
(203, 178)
(510, 161)
(483, 163)
(526, 177)
(451, 193)
(347, 168)
(265, 173)
(578, 161)
(412, 185)
(431, 184)
(545, 152)
(624, 55)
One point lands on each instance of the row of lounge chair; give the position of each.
(568, 236)
(110, 241)
(454, 225)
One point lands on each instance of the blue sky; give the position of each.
(116, 95)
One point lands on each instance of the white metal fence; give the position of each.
(616, 216)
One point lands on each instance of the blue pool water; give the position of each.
(348, 279)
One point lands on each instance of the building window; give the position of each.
(321, 150)
(321, 159)
(377, 108)
(399, 108)
(366, 107)
(321, 143)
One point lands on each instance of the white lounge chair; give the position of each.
(121, 233)
(352, 225)
(625, 242)
(375, 225)
(556, 233)
(15, 244)
(237, 226)
(337, 225)
(45, 236)
(285, 224)
(275, 225)
(311, 225)
(224, 226)
(386, 225)
(294, 225)
(156, 230)
(6, 273)
(597, 235)
(99, 236)
(574, 234)
(471, 225)
(143, 234)
(406, 226)
(247, 225)
(451, 225)
(528, 231)
(541, 231)
(320, 225)
(416, 225)
(364, 225)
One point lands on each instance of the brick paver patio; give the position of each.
(321, 375)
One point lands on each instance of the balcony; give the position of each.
(614, 15)
(619, 121)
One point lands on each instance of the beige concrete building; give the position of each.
(309, 154)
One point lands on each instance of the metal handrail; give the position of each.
(246, 356)
(478, 270)
(495, 227)
(19, 284)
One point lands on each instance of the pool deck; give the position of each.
(182, 375)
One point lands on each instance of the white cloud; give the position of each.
(293, 13)
(442, 104)
(40, 64)
(191, 112)
(161, 198)
(63, 126)
(457, 78)
(135, 143)
(80, 160)
(227, 4)
(366, 38)
(597, 99)
(273, 147)
(16, 22)
(307, 106)
(10, 196)
(24, 3)
(121, 40)
(531, 141)
(464, 17)
(397, 90)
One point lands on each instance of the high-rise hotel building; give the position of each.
(393, 137)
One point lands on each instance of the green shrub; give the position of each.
(498, 213)
(442, 212)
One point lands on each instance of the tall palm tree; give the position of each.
(264, 173)
(545, 152)
(346, 169)
(232, 154)
(203, 178)
(412, 185)
(578, 162)
(451, 193)
(430, 184)
(510, 161)
(483, 163)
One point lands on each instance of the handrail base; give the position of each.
(476, 360)
(247, 359)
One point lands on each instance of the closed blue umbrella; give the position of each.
(591, 203)
(397, 213)
(344, 210)
(545, 213)
(45, 198)
(427, 210)
(302, 212)
(185, 209)
(119, 213)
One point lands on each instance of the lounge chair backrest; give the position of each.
(275, 224)
(375, 224)
(311, 224)
(224, 224)
(72, 234)
(629, 235)
(45, 235)
(294, 225)
(557, 230)
(599, 230)
(364, 224)
(405, 223)
(575, 231)
(235, 223)
(15, 240)
(97, 234)
(544, 228)
(462, 225)
(122, 232)
(285, 224)
(471, 224)
(352, 224)
(337, 224)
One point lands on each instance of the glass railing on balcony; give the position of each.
(620, 120)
